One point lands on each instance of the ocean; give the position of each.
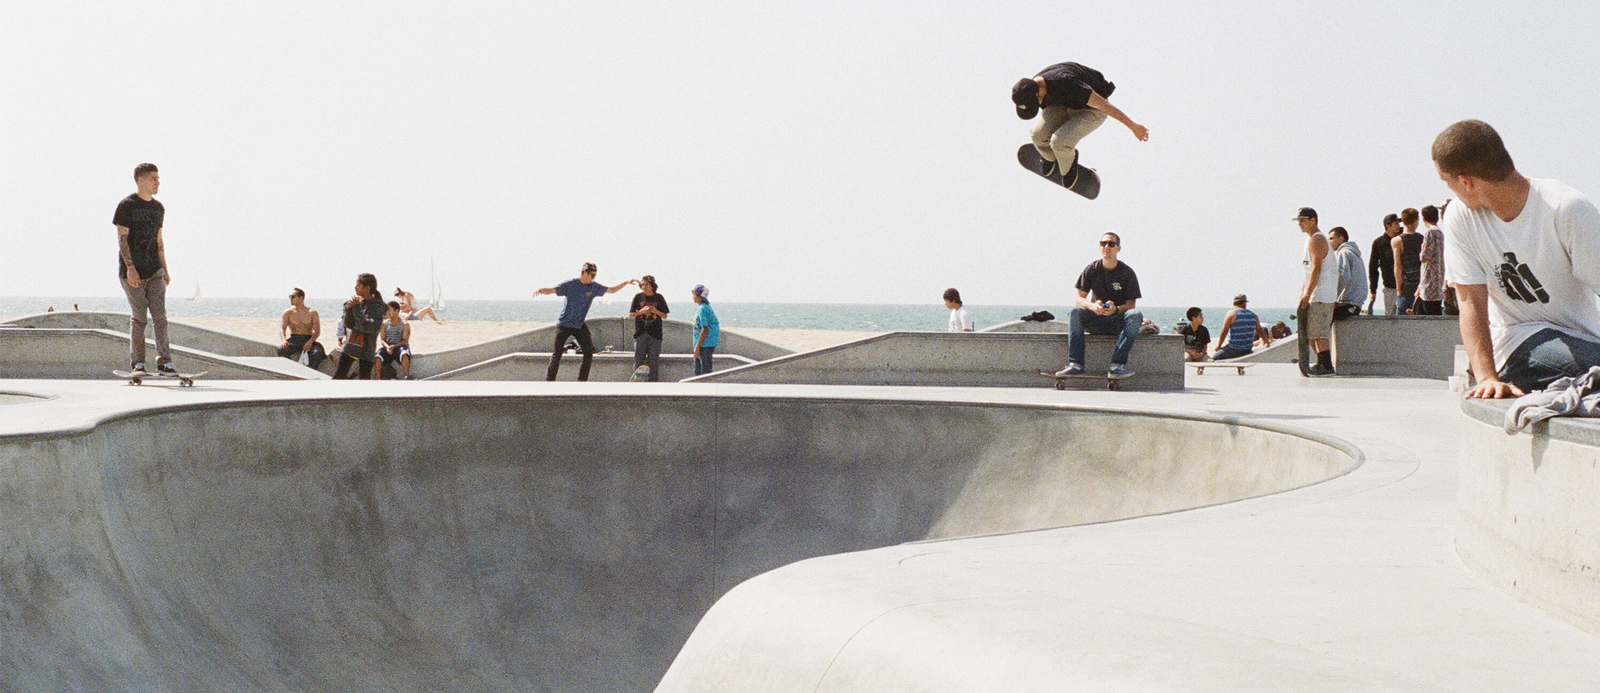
(858, 317)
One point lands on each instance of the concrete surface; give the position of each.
(606, 367)
(178, 332)
(1411, 346)
(1530, 505)
(616, 333)
(94, 353)
(364, 536)
(965, 359)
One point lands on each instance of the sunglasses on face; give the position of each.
(1110, 244)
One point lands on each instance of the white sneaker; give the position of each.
(1071, 369)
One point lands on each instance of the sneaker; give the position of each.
(1118, 371)
(1319, 370)
(1072, 368)
(138, 368)
(166, 368)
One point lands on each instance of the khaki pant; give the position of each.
(151, 298)
(1061, 128)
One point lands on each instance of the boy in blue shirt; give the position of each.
(579, 293)
(706, 331)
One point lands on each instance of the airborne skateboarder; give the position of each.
(1074, 101)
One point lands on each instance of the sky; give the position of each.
(831, 152)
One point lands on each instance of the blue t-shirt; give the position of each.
(579, 296)
(706, 318)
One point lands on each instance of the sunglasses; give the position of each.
(1111, 244)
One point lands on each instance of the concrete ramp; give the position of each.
(606, 367)
(561, 543)
(616, 333)
(93, 354)
(191, 336)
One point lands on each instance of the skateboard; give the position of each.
(137, 378)
(1304, 357)
(1201, 366)
(1078, 179)
(1061, 380)
(640, 374)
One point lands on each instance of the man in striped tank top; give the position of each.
(1240, 330)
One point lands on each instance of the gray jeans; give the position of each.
(151, 298)
(1061, 128)
(647, 349)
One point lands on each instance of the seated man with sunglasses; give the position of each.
(1107, 292)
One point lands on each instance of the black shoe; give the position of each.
(166, 368)
(1319, 370)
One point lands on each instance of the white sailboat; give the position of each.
(435, 292)
(196, 297)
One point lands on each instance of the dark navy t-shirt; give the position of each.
(1118, 285)
(579, 296)
(1069, 84)
(142, 218)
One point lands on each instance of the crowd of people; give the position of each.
(1518, 259)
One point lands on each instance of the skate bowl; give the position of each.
(525, 542)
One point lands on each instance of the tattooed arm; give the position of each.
(127, 256)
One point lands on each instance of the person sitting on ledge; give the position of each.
(1107, 292)
(300, 327)
(1195, 334)
(1240, 331)
(1524, 256)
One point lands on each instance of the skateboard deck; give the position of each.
(640, 374)
(1061, 380)
(1304, 359)
(137, 378)
(1201, 366)
(1078, 179)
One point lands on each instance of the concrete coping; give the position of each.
(1582, 431)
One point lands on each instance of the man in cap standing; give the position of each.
(1074, 101)
(1316, 297)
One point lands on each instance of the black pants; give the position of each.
(297, 343)
(1427, 308)
(344, 368)
(585, 344)
(1343, 311)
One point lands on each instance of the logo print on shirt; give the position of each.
(1116, 286)
(1517, 280)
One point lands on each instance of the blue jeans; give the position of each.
(1125, 326)
(1228, 352)
(1547, 356)
(702, 363)
(1402, 304)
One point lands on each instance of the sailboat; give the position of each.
(435, 292)
(196, 297)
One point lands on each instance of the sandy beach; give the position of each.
(428, 336)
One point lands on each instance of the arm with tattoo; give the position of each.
(127, 256)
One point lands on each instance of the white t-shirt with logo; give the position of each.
(960, 320)
(1542, 268)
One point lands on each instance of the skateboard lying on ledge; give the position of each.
(1078, 179)
(1112, 383)
(137, 377)
(1201, 366)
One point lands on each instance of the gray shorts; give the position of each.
(1319, 321)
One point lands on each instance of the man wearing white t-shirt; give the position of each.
(960, 319)
(1524, 255)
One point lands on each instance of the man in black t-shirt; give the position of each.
(649, 308)
(1107, 292)
(142, 267)
(1196, 338)
(1073, 98)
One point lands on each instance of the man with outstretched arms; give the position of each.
(142, 267)
(1074, 101)
(573, 322)
(1524, 255)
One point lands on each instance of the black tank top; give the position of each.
(1410, 262)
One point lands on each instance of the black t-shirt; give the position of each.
(644, 324)
(1410, 262)
(1381, 263)
(1118, 285)
(1195, 338)
(1069, 84)
(143, 220)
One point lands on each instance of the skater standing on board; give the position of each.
(142, 267)
(1107, 292)
(573, 322)
(1074, 101)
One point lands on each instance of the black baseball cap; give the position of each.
(1305, 213)
(1025, 94)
